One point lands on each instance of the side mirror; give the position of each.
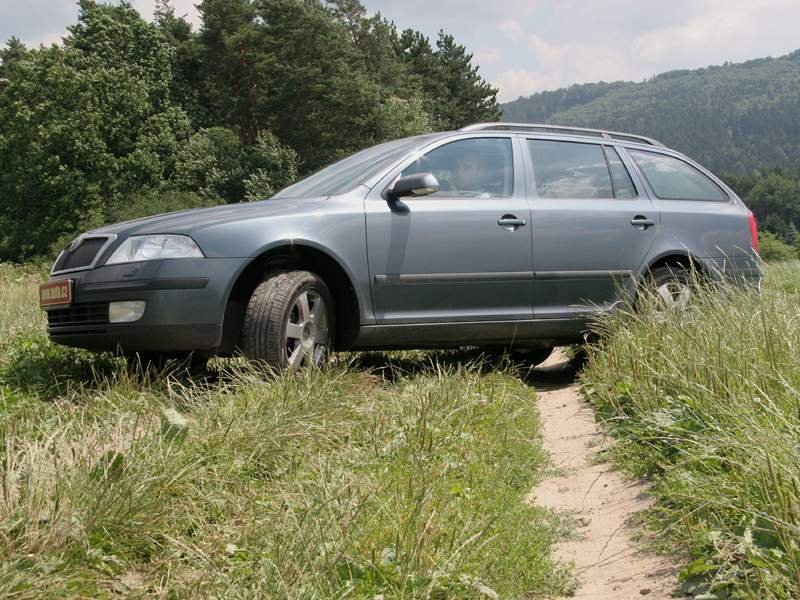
(418, 184)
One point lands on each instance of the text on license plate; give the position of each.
(55, 293)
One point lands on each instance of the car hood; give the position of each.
(192, 221)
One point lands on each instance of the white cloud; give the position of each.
(487, 56)
(708, 32)
(560, 65)
(724, 31)
(514, 83)
(182, 8)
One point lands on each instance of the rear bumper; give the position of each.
(185, 306)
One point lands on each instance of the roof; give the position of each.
(562, 130)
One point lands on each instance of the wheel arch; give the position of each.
(679, 259)
(293, 255)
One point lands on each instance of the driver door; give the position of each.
(461, 254)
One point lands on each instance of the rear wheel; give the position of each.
(672, 287)
(289, 321)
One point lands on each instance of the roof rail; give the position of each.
(564, 130)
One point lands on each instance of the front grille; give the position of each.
(82, 256)
(78, 315)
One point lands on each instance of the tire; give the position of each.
(671, 287)
(282, 327)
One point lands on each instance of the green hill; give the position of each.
(733, 118)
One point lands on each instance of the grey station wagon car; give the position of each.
(497, 235)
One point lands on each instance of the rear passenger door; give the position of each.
(592, 226)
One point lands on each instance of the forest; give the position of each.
(127, 117)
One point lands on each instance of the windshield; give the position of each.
(350, 172)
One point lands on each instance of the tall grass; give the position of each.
(707, 403)
(351, 482)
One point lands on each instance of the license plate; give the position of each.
(55, 294)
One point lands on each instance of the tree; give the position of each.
(232, 81)
(272, 166)
(322, 100)
(456, 93)
(216, 165)
(128, 117)
(186, 82)
(82, 126)
(10, 56)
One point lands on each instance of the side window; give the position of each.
(471, 168)
(570, 170)
(620, 178)
(673, 179)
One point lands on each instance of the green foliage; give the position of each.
(80, 128)
(151, 202)
(772, 249)
(456, 93)
(774, 198)
(10, 56)
(272, 166)
(733, 118)
(704, 403)
(216, 165)
(211, 164)
(264, 91)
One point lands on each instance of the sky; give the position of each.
(527, 46)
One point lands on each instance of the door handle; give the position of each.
(642, 222)
(511, 222)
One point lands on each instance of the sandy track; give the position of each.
(607, 561)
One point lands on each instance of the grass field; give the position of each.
(707, 404)
(393, 475)
(400, 475)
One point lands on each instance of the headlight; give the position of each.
(150, 247)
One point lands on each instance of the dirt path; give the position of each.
(606, 558)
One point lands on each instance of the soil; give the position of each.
(609, 563)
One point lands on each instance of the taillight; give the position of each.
(751, 218)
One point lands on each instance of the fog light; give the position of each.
(126, 312)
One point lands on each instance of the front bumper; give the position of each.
(185, 298)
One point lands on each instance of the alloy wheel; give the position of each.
(307, 332)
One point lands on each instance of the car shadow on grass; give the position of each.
(557, 372)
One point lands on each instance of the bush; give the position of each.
(33, 362)
(216, 165)
(80, 128)
(772, 249)
(156, 203)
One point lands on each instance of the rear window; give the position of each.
(674, 179)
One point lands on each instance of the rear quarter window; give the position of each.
(673, 179)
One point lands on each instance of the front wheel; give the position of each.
(289, 321)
